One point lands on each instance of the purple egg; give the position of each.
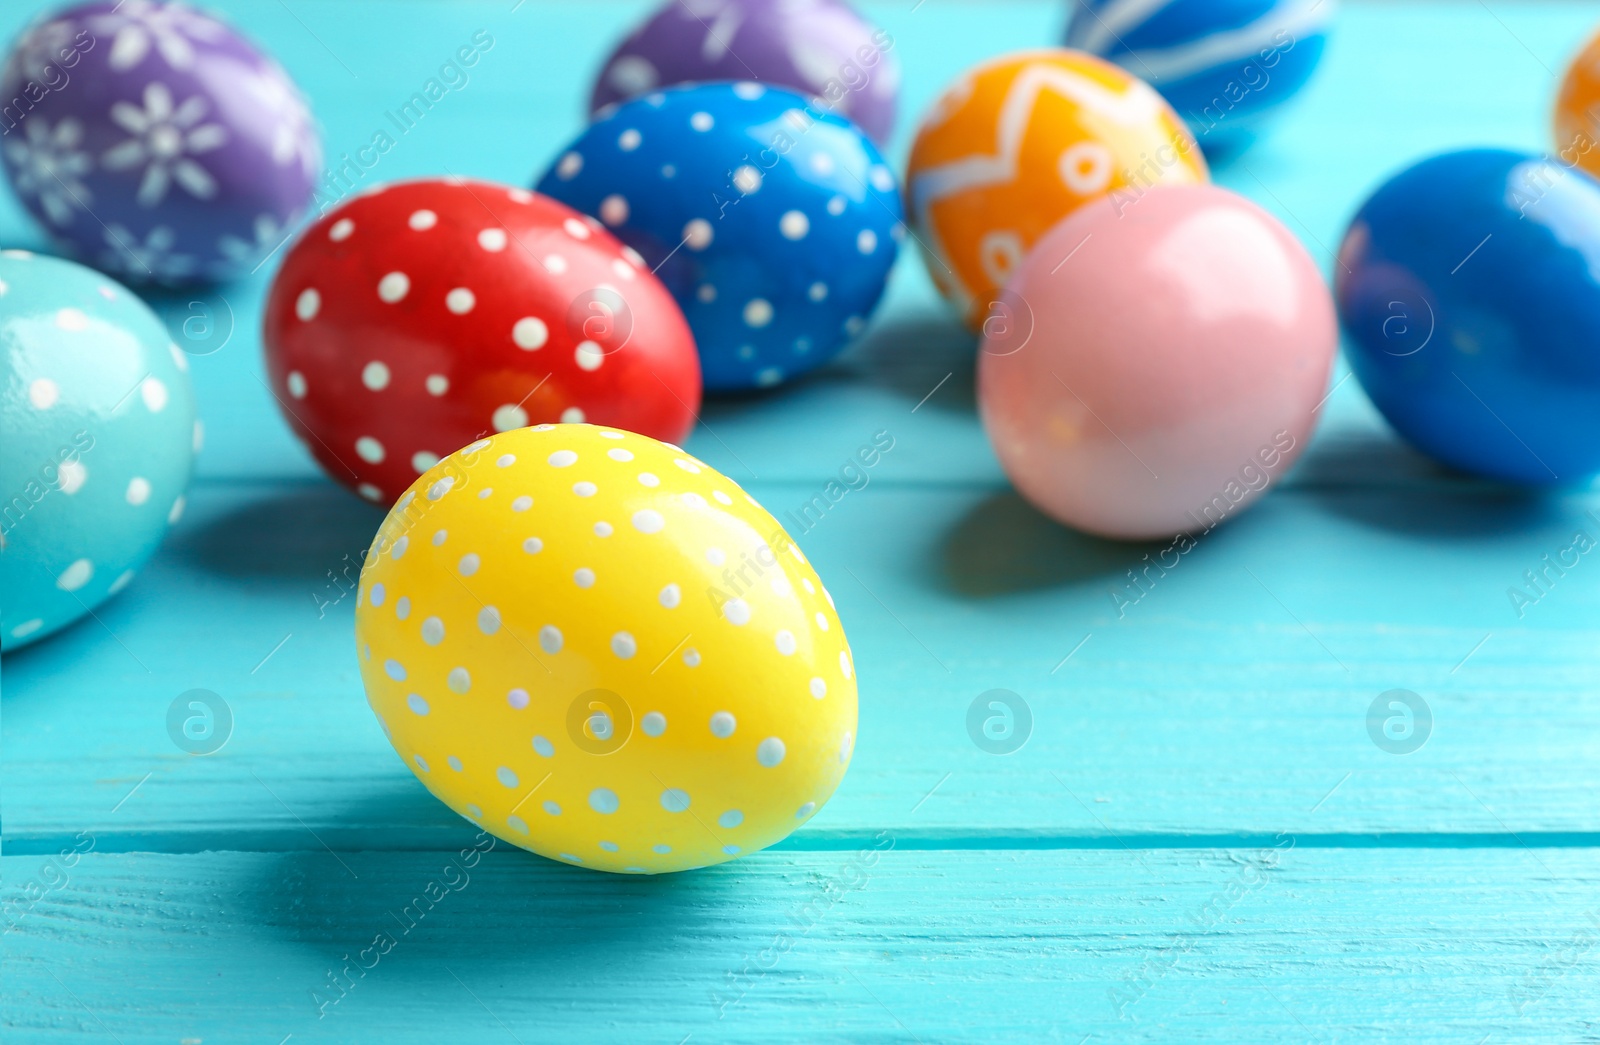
(155, 142)
(817, 47)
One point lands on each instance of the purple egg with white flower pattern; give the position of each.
(155, 142)
(821, 48)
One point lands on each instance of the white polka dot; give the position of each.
(522, 504)
(649, 479)
(399, 547)
(624, 645)
(517, 698)
(307, 304)
(786, 643)
(395, 670)
(730, 819)
(575, 228)
(794, 225)
(819, 688)
(603, 800)
(296, 383)
(493, 240)
(747, 179)
(706, 293)
(508, 416)
(818, 292)
(533, 546)
(617, 453)
(422, 460)
(614, 209)
(691, 657)
(670, 596)
(555, 264)
(394, 286)
(563, 458)
(176, 511)
(822, 163)
(437, 384)
(866, 241)
(550, 638)
(570, 164)
(572, 415)
(748, 91)
(460, 301)
(881, 179)
(154, 394)
(421, 762)
(71, 476)
(622, 269)
(422, 219)
(469, 564)
(583, 577)
(554, 810)
(805, 810)
(417, 703)
(458, 680)
(530, 333)
(836, 206)
(516, 823)
(433, 631)
(506, 776)
(844, 663)
(369, 450)
(375, 375)
(376, 595)
(589, 355)
(648, 520)
(440, 536)
(488, 620)
(370, 492)
(341, 229)
(770, 752)
(543, 747)
(723, 724)
(506, 461)
(654, 723)
(697, 234)
(716, 556)
(758, 312)
(628, 140)
(737, 611)
(674, 800)
(585, 488)
(402, 608)
(702, 121)
(76, 575)
(844, 746)
(440, 488)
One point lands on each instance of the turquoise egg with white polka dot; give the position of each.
(97, 439)
(773, 220)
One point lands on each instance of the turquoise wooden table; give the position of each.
(1200, 840)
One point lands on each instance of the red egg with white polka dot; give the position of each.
(415, 318)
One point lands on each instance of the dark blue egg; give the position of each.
(1469, 288)
(1224, 65)
(774, 224)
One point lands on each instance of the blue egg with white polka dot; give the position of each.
(99, 436)
(773, 221)
(1224, 65)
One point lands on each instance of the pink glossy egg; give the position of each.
(1157, 362)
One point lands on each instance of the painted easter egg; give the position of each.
(1225, 65)
(823, 49)
(155, 142)
(773, 224)
(598, 648)
(1577, 117)
(1135, 420)
(410, 321)
(1469, 286)
(99, 433)
(1020, 142)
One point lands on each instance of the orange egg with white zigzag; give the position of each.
(1020, 142)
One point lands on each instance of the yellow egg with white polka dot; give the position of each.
(602, 650)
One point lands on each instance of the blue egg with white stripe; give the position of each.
(773, 221)
(1224, 65)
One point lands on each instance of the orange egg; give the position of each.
(1578, 110)
(1018, 143)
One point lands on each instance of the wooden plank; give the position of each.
(878, 944)
(1227, 701)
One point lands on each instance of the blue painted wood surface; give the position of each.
(1199, 841)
